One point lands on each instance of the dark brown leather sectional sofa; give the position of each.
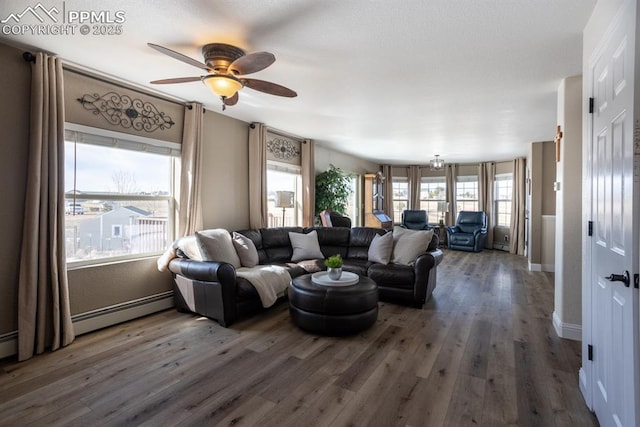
(212, 289)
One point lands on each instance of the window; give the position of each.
(353, 206)
(433, 197)
(503, 192)
(284, 184)
(400, 196)
(467, 193)
(119, 192)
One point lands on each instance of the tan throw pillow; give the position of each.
(246, 250)
(408, 244)
(381, 248)
(216, 245)
(305, 246)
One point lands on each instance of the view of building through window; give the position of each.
(117, 201)
(502, 197)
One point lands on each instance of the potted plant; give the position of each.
(333, 188)
(334, 266)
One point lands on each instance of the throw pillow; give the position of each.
(246, 250)
(381, 248)
(305, 246)
(216, 245)
(408, 244)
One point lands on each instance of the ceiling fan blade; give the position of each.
(232, 101)
(178, 56)
(176, 80)
(252, 63)
(268, 87)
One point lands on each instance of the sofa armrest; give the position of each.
(206, 288)
(206, 271)
(425, 275)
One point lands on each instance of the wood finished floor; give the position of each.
(482, 352)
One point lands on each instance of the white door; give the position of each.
(614, 304)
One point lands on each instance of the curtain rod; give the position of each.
(30, 57)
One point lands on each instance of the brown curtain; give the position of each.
(308, 183)
(413, 174)
(44, 314)
(451, 174)
(486, 178)
(516, 230)
(387, 189)
(190, 208)
(258, 213)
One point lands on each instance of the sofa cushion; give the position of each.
(357, 266)
(392, 275)
(305, 246)
(216, 245)
(408, 244)
(360, 239)
(381, 248)
(332, 240)
(245, 249)
(276, 244)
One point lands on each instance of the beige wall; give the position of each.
(350, 164)
(225, 169)
(541, 166)
(548, 195)
(569, 224)
(15, 78)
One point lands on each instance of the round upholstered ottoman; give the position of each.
(333, 310)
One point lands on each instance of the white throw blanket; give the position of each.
(271, 281)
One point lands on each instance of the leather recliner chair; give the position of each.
(469, 233)
(415, 220)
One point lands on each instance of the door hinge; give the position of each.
(589, 352)
(590, 228)
(591, 101)
(636, 279)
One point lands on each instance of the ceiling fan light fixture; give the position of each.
(224, 86)
(436, 164)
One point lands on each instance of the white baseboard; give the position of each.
(102, 318)
(584, 388)
(567, 330)
(535, 267)
(542, 267)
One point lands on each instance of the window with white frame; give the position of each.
(502, 198)
(353, 206)
(400, 185)
(433, 197)
(119, 195)
(284, 192)
(467, 193)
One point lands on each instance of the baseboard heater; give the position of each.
(101, 318)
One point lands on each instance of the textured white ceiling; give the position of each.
(390, 81)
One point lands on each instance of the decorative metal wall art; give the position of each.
(282, 148)
(127, 112)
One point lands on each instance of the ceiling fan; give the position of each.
(226, 66)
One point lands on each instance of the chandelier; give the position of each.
(436, 164)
